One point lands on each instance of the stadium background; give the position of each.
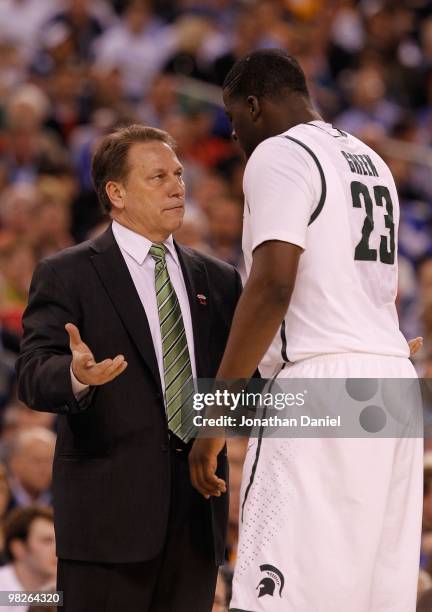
(72, 70)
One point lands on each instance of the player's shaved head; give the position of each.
(268, 73)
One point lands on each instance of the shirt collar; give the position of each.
(138, 246)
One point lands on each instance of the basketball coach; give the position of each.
(114, 332)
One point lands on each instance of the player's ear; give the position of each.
(254, 107)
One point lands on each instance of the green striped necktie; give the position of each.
(176, 360)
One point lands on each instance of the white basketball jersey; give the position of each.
(329, 193)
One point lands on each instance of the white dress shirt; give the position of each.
(141, 265)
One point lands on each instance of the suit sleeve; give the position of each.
(43, 366)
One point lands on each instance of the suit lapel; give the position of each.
(196, 281)
(114, 275)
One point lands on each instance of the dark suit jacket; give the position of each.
(111, 475)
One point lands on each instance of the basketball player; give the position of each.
(327, 524)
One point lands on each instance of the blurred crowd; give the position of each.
(72, 70)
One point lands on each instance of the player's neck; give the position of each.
(283, 118)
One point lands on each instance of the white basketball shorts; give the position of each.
(331, 524)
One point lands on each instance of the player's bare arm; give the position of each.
(84, 366)
(258, 315)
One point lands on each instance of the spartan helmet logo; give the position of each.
(268, 584)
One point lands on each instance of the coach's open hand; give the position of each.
(84, 365)
(203, 464)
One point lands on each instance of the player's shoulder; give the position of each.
(289, 156)
(276, 151)
(368, 148)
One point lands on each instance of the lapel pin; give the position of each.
(202, 299)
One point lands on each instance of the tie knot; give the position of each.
(158, 252)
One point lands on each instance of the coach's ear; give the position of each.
(254, 107)
(115, 192)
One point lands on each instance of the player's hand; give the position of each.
(415, 345)
(84, 365)
(203, 464)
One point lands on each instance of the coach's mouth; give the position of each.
(179, 207)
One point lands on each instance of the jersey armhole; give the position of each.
(322, 199)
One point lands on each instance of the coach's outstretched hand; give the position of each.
(84, 365)
(203, 464)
